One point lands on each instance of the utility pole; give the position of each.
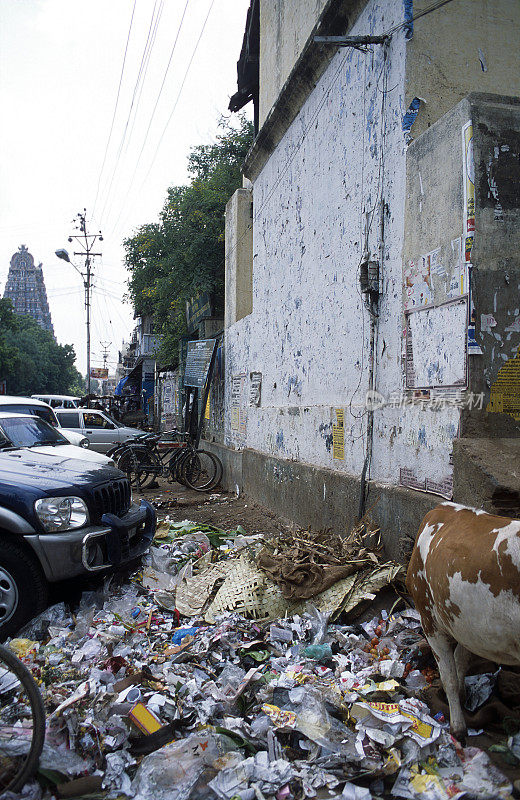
(86, 241)
(105, 346)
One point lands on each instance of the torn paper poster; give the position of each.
(487, 321)
(409, 117)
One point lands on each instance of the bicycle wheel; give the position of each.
(175, 465)
(141, 466)
(22, 723)
(201, 470)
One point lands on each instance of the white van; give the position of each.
(29, 405)
(58, 400)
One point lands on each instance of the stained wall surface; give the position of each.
(353, 163)
(308, 333)
(466, 46)
(289, 24)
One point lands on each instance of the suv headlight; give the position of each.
(84, 443)
(61, 513)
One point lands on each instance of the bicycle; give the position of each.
(143, 461)
(22, 723)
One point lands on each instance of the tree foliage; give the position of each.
(31, 361)
(182, 254)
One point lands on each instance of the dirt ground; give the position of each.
(222, 509)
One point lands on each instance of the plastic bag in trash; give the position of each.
(38, 628)
(177, 770)
(318, 621)
(267, 775)
(479, 689)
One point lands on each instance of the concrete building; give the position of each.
(25, 288)
(372, 262)
(135, 371)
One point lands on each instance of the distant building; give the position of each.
(25, 288)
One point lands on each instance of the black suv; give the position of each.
(61, 518)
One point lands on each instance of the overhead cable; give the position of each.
(174, 107)
(134, 95)
(127, 193)
(115, 107)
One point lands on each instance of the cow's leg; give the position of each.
(443, 648)
(462, 658)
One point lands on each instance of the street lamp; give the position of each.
(63, 254)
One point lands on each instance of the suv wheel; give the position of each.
(23, 588)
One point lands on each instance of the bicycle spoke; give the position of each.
(201, 471)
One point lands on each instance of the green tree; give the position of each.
(30, 358)
(183, 253)
(9, 356)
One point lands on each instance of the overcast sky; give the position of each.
(61, 63)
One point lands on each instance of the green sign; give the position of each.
(198, 308)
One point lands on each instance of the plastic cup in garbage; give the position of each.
(133, 695)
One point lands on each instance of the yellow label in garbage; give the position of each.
(421, 728)
(145, 719)
(279, 717)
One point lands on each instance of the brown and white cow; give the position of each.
(464, 577)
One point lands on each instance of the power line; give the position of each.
(136, 86)
(419, 14)
(145, 72)
(156, 102)
(115, 107)
(174, 106)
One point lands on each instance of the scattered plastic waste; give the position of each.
(197, 679)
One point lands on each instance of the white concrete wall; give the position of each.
(289, 24)
(308, 333)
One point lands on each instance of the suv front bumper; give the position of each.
(116, 542)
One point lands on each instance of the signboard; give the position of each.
(198, 359)
(197, 309)
(99, 372)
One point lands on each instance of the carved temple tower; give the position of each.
(25, 288)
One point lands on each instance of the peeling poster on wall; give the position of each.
(338, 434)
(238, 405)
(255, 389)
(435, 346)
(469, 187)
(505, 391)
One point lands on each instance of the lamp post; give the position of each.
(87, 243)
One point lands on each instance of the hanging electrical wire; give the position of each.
(172, 111)
(145, 72)
(144, 58)
(138, 160)
(115, 108)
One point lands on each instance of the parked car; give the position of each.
(58, 400)
(101, 430)
(61, 518)
(26, 430)
(28, 405)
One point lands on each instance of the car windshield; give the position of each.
(25, 432)
(44, 412)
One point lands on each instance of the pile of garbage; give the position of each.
(199, 679)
